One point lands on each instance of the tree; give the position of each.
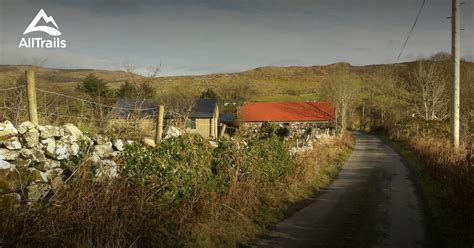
(135, 91)
(210, 94)
(95, 87)
(126, 90)
(428, 91)
(341, 88)
(98, 91)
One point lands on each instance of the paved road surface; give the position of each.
(372, 203)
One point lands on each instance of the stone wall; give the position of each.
(305, 130)
(36, 160)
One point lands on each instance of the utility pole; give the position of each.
(455, 56)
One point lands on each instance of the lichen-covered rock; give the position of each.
(34, 154)
(37, 176)
(118, 145)
(100, 139)
(49, 131)
(31, 138)
(8, 155)
(62, 151)
(74, 148)
(104, 151)
(25, 126)
(12, 143)
(7, 130)
(71, 132)
(53, 173)
(50, 147)
(172, 131)
(37, 191)
(4, 165)
(213, 144)
(149, 142)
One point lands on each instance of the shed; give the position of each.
(204, 118)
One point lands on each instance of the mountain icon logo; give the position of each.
(47, 29)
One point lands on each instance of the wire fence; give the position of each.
(135, 121)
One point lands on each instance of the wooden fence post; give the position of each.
(159, 124)
(223, 127)
(31, 94)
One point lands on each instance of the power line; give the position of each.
(411, 30)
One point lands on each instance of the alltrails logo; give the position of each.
(38, 42)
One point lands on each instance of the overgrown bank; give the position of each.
(444, 178)
(184, 192)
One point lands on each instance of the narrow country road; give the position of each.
(371, 203)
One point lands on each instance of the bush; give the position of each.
(181, 193)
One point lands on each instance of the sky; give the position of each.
(186, 37)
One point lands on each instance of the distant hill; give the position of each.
(270, 83)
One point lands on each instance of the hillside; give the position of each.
(266, 83)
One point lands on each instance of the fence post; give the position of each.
(159, 124)
(223, 127)
(31, 94)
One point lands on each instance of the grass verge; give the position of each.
(450, 220)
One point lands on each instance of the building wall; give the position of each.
(207, 127)
(203, 127)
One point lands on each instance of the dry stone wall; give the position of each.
(35, 160)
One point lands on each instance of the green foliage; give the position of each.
(180, 164)
(95, 87)
(210, 94)
(133, 91)
(187, 164)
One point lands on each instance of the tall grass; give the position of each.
(182, 193)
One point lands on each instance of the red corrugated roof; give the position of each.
(288, 111)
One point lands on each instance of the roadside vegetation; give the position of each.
(444, 178)
(182, 193)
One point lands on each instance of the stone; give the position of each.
(31, 138)
(37, 176)
(213, 144)
(61, 151)
(104, 151)
(100, 139)
(50, 144)
(25, 126)
(23, 163)
(8, 155)
(172, 131)
(34, 154)
(4, 165)
(12, 143)
(74, 149)
(148, 142)
(7, 130)
(49, 132)
(37, 191)
(118, 145)
(53, 173)
(71, 132)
